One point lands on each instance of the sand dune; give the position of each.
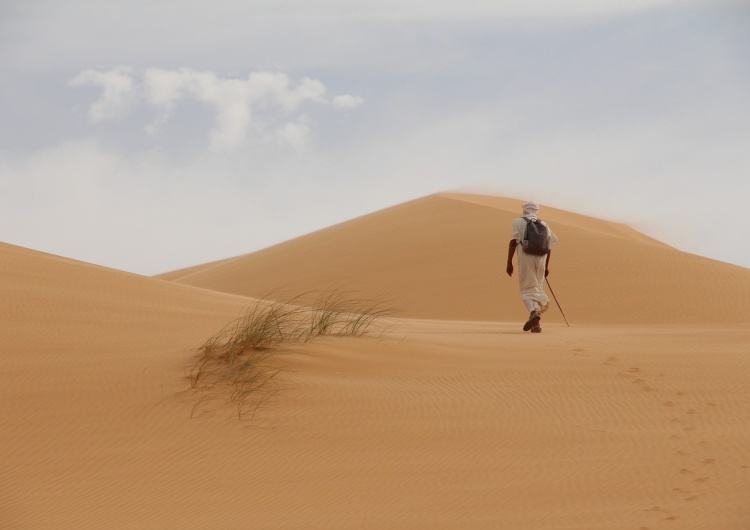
(443, 257)
(460, 422)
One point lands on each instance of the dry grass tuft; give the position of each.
(235, 362)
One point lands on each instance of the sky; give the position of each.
(148, 136)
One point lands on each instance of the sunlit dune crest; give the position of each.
(443, 257)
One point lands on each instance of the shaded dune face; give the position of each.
(61, 307)
(443, 257)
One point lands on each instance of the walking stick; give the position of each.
(558, 303)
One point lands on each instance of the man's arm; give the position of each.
(511, 251)
(546, 265)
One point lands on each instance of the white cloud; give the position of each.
(346, 101)
(244, 108)
(277, 87)
(162, 89)
(294, 134)
(117, 92)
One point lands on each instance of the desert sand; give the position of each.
(634, 417)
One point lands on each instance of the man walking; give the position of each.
(533, 262)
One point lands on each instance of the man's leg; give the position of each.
(528, 278)
(534, 314)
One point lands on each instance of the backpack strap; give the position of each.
(525, 232)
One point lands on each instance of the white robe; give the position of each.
(531, 269)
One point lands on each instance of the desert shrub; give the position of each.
(236, 361)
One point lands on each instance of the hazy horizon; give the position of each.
(161, 136)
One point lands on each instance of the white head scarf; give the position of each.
(530, 209)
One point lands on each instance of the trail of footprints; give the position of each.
(693, 467)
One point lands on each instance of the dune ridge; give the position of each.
(443, 257)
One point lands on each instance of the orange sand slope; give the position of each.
(440, 424)
(443, 257)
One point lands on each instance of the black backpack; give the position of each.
(535, 238)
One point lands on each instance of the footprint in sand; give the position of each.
(693, 498)
(635, 370)
(669, 404)
(644, 385)
(684, 471)
(709, 461)
(701, 480)
(691, 411)
(672, 518)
